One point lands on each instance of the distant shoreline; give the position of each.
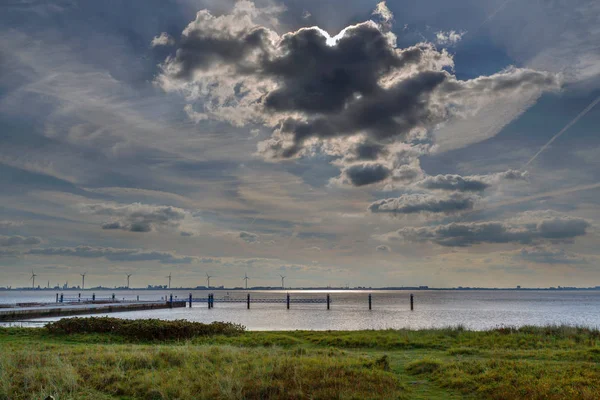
(54, 290)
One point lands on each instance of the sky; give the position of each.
(337, 142)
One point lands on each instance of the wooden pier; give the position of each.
(210, 300)
(61, 310)
(65, 306)
(255, 300)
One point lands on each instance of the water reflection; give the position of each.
(391, 309)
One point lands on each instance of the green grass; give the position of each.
(529, 363)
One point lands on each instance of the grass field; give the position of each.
(529, 363)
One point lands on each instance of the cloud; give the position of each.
(369, 163)
(383, 248)
(423, 203)
(162, 40)
(521, 230)
(513, 174)
(120, 255)
(360, 88)
(137, 217)
(475, 183)
(384, 14)
(448, 38)
(569, 43)
(365, 174)
(17, 240)
(10, 253)
(549, 255)
(249, 237)
(454, 182)
(9, 224)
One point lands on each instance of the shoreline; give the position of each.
(320, 289)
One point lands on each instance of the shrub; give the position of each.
(144, 329)
(424, 366)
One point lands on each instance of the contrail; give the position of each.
(493, 14)
(563, 130)
(254, 220)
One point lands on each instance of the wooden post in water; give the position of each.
(171, 300)
(61, 297)
(113, 297)
(412, 302)
(369, 301)
(190, 300)
(138, 297)
(79, 297)
(328, 301)
(93, 296)
(248, 301)
(288, 301)
(208, 300)
(57, 297)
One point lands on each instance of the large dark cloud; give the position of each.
(313, 88)
(17, 240)
(470, 233)
(422, 203)
(382, 115)
(366, 174)
(337, 73)
(137, 217)
(116, 254)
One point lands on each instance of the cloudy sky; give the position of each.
(335, 142)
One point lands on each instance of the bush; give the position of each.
(424, 366)
(144, 329)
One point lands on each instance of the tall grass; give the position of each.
(554, 362)
(193, 372)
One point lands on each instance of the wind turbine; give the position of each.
(246, 279)
(83, 280)
(282, 281)
(33, 275)
(128, 276)
(169, 277)
(208, 280)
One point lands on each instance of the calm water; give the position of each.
(349, 309)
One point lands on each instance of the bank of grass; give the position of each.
(529, 363)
